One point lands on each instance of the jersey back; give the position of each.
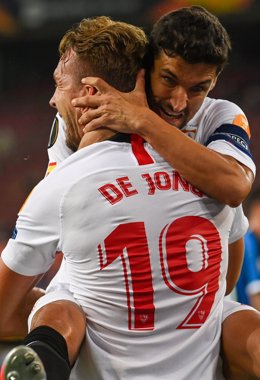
(146, 258)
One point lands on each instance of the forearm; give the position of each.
(218, 176)
(235, 262)
(240, 345)
(16, 298)
(17, 326)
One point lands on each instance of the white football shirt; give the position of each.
(146, 258)
(219, 124)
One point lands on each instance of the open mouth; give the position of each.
(171, 117)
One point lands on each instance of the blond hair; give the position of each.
(112, 50)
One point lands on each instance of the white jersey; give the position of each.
(146, 257)
(58, 151)
(219, 124)
(222, 126)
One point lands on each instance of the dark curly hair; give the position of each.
(192, 33)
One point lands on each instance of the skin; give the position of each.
(235, 260)
(60, 99)
(67, 315)
(13, 319)
(178, 90)
(177, 96)
(67, 87)
(176, 104)
(242, 364)
(17, 297)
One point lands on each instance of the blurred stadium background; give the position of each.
(29, 34)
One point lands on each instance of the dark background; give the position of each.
(30, 31)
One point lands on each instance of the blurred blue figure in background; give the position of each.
(248, 286)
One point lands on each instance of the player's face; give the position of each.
(67, 87)
(179, 88)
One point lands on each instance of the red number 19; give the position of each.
(184, 237)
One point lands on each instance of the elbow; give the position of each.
(236, 195)
(236, 186)
(231, 199)
(233, 202)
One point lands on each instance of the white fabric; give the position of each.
(59, 151)
(121, 290)
(212, 114)
(231, 307)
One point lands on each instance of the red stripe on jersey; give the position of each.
(142, 156)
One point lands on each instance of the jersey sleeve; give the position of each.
(240, 225)
(229, 132)
(230, 307)
(32, 248)
(58, 151)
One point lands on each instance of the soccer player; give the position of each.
(51, 148)
(216, 132)
(188, 50)
(219, 125)
(105, 41)
(145, 251)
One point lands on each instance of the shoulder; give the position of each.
(222, 110)
(222, 119)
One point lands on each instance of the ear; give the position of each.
(88, 90)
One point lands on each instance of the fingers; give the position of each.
(93, 119)
(91, 101)
(88, 116)
(100, 85)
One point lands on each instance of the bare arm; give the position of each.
(219, 176)
(17, 297)
(240, 345)
(235, 261)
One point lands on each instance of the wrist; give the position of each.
(146, 124)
